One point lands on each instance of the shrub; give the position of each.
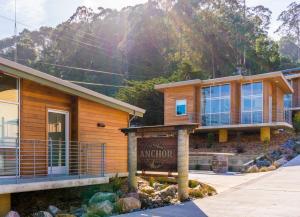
(296, 122)
(266, 144)
(193, 183)
(116, 183)
(196, 193)
(197, 167)
(240, 149)
(264, 169)
(210, 140)
(151, 181)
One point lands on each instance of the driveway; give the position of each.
(272, 194)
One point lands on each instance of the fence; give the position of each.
(39, 158)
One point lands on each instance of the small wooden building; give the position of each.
(51, 129)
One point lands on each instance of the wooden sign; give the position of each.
(157, 154)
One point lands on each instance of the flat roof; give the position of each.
(270, 75)
(28, 73)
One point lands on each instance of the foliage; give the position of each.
(296, 122)
(193, 183)
(116, 183)
(210, 139)
(151, 181)
(266, 144)
(156, 42)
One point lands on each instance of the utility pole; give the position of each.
(15, 33)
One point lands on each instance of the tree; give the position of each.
(290, 26)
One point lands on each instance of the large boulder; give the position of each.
(53, 210)
(133, 194)
(103, 208)
(253, 169)
(78, 212)
(42, 214)
(12, 214)
(168, 192)
(65, 215)
(280, 162)
(129, 203)
(103, 196)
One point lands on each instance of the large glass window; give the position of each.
(9, 124)
(215, 105)
(252, 103)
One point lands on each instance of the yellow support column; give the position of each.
(265, 134)
(5, 204)
(223, 135)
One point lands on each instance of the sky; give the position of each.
(32, 14)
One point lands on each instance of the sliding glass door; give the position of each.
(9, 125)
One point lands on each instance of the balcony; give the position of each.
(40, 165)
(237, 120)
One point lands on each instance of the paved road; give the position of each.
(275, 194)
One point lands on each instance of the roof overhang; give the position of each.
(237, 127)
(31, 74)
(276, 77)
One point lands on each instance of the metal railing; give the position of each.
(233, 118)
(33, 159)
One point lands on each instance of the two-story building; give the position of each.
(262, 103)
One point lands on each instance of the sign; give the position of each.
(157, 154)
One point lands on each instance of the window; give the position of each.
(9, 124)
(215, 105)
(9, 111)
(181, 107)
(252, 103)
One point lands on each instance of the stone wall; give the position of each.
(246, 143)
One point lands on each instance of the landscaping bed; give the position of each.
(114, 198)
(275, 158)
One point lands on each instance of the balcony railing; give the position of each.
(219, 119)
(50, 160)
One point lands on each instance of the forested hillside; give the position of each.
(159, 41)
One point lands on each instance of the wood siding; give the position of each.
(271, 90)
(84, 116)
(89, 115)
(35, 102)
(170, 96)
(296, 95)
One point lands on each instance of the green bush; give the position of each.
(151, 181)
(116, 183)
(210, 140)
(296, 122)
(197, 167)
(193, 183)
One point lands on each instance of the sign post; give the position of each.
(160, 149)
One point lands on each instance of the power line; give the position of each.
(12, 20)
(77, 68)
(96, 84)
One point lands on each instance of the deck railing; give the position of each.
(34, 159)
(234, 118)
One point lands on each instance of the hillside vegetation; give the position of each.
(159, 41)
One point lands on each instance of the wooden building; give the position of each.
(54, 130)
(227, 104)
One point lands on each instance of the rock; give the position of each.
(12, 214)
(169, 191)
(147, 190)
(105, 207)
(253, 169)
(272, 167)
(129, 203)
(263, 163)
(41, 214)
(78, 212)
(280, 162)
(133, 194)
(65, 215)
(53, 210)
(157, 186)
(103, 196)
(145, 200)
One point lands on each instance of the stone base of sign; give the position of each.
(220, 163)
